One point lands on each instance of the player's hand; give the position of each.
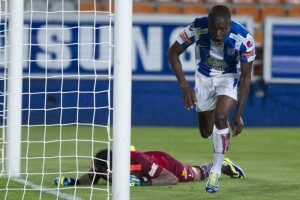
(64, 181)
(143, 181)
(188, 97)
(134, 181)
(237, 125)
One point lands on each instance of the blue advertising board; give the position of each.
(73, 45)
(281, 50)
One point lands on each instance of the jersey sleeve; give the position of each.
(187, 36)
(148, 168)
(247, 50)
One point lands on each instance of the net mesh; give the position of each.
(66, 103)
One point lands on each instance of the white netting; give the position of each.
(3, 23)
(67, 51)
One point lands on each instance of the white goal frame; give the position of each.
(14, 88)
(122, 99)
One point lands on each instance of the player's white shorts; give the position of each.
(208, 88)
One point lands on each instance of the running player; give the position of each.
(149, 168)
(224, 53)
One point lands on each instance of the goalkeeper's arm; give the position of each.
(86, 179)
(165, 178)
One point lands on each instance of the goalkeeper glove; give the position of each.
(135, 181)
(64, 181)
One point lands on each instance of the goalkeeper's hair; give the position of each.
(101, 161)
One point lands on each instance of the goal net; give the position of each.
(55, 98)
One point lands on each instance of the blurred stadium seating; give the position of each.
(168, 8)
(243, 1)
(248, 9)
(195, 9)
(142, 8)
(294, 11)
(272, 10)
(88, 6)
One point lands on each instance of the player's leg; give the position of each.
(206, 123)
(224, 106)
(206, 95)
(226, 89)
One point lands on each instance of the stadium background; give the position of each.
(158, 102)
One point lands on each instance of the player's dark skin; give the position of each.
(218, 27)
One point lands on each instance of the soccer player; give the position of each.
(149, 168)
(224, 53)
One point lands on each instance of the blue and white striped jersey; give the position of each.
(224, 59)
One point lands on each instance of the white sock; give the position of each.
(220, 148)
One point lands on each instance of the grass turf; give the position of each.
(268, 156)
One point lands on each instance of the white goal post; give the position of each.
(14, 88)
(60, 99)
(122, 99)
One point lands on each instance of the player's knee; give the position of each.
(221, 120)
(205, 133)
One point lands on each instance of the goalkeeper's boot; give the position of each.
(237, 172)
(212, 184)
(64, 181)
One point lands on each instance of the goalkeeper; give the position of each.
(149, 168)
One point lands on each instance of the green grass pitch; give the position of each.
(269, 156)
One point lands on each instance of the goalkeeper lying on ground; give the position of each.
(150, 168)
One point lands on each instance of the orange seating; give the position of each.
(167, 8)
(88, 7)
(272, 10)
(294, 11)
(243, 1)
(191, 1)
(164, 1)
(196, 9)
(258, 37)
(291, 1)
(269, 1)
(249, 10)
(106, 8)
(218, 1)
(142, 8)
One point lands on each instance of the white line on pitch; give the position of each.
(46, 190)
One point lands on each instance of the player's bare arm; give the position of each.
(85, 180)
(188, 95)
(165, 178)
(244, 87)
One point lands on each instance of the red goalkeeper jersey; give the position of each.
(151, 164)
